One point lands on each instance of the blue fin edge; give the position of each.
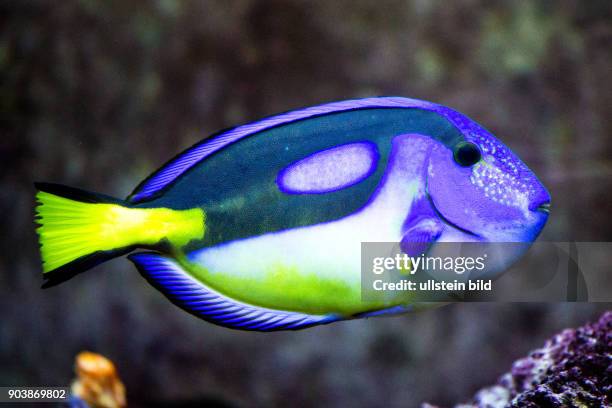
(180, 288)
(391, 311)
(168, 173)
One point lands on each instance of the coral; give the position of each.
(573, 369)
(97, 384)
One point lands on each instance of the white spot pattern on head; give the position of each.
(499, 185)
(498, 175)
(496, 152)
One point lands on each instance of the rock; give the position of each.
(573, 369)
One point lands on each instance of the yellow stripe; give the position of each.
(71, 229)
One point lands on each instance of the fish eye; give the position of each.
(466, 154)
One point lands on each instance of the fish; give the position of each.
(259, 227)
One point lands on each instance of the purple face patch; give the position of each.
(329, 170)
(508, 179)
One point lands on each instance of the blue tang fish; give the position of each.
(260, 227)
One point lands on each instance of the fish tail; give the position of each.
(79, 230)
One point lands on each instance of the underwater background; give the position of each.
(98, 94)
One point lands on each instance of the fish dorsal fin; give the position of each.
(196, 298)
(171, 171)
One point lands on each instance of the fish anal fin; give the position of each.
(193, 296)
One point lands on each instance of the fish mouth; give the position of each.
(545, 208)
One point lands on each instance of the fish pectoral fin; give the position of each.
(419, 236)
(193, 296)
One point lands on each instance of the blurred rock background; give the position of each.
(99, 93)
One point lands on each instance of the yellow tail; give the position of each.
(79, 230)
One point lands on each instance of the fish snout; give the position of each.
(540, 200)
